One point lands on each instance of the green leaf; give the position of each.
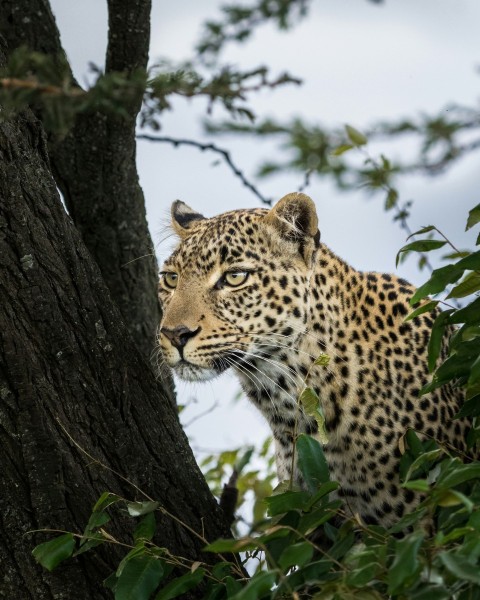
(244, 459)
(456, 366)
(468, 285)
(139, 578)
(448, 498)
(52, 553)
(96, 520)
(139, 550)
(460, 532)
(231, 545)
(221, 569)
(105, 500)
(362, 576)
(471, 408)
(310, 403)
(259, 584)
(296, 555)
(429, 591)
(423, 230)
(474, 372)
(285, 502)
(312, 520)
(422, 460)
(145, 530)
(470, 262)
(409, 520)
(438, 281)
(473, 217)
(341, 149)
(342, 546)
(325, 489)
(137, 509)
(414, 442)
(180, 585)
(356, 137)
(323, 360)
(93, 540)
(459, 474)
(419, 485)
(459, 566)
(312, 462)
(470, 314)
(111, 581)
(420, 246)
(427, 307)
(405, 564)
(391, 199)
(436, 338)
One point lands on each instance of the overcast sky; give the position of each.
(360, 63)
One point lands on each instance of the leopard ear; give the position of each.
(295, 219)
(183, 217)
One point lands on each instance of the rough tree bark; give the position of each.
(68, 362)
(94, 166)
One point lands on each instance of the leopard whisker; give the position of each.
(295, 401)
(249, 376)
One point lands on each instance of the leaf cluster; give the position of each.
(239, 21)
(31, 79)
(313, 148)
(45, 83)
(303, 546)
(458, 280)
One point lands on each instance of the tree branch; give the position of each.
(225, 154)
(128, 35)
(95, 165)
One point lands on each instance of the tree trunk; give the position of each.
(68, 364)
(95, 164)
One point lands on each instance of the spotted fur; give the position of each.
(300, 300)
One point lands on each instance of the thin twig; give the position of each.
(206, 412)
(160, 508)
(212, 148)
(306, 179)
(401, 217)
(96, 461)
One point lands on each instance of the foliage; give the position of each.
(35, 79)
(315, 149)
(239, 21)
(302, 546)
(459, 279)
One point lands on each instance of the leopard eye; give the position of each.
(236, 278)
(170, 280)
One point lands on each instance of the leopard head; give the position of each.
(235, 284)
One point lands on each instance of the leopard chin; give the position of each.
(190, 372)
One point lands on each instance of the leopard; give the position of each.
(257, 292)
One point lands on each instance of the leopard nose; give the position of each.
(179, 336)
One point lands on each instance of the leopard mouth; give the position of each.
(190, 372)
